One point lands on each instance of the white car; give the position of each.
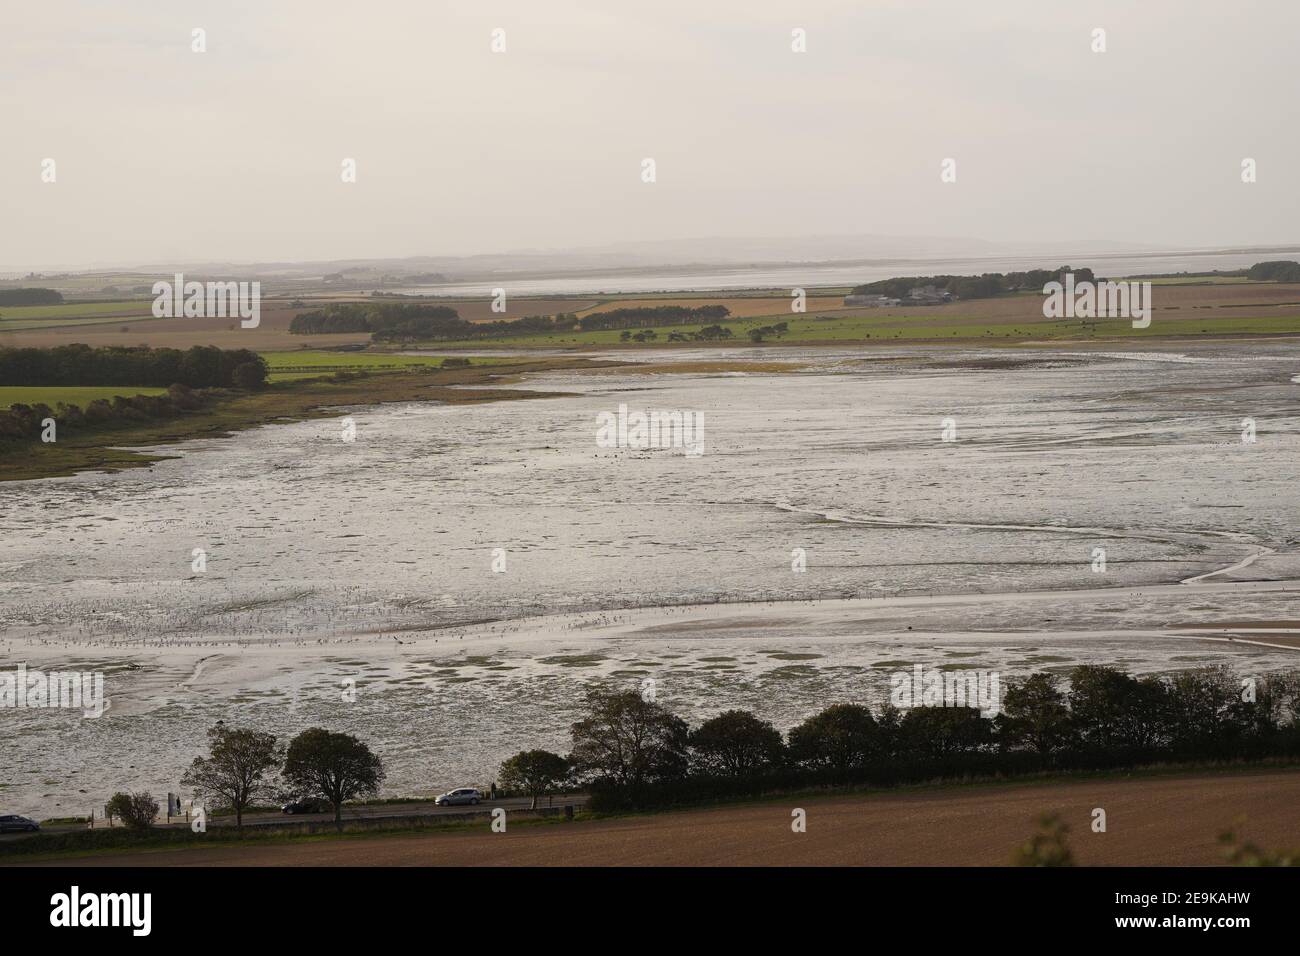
(465, 795)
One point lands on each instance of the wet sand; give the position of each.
(371, 561)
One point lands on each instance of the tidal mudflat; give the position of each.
(352, 583)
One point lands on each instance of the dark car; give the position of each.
(306, 805)
(16, 824)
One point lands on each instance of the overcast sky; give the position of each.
(163, 154)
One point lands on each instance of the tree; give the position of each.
(629, 740)
(736, 743)
(938, 732)
(1115, 711)
(1278, 702)
(237, 770)
(200, 366)
(535, 772)
(137, 810)
(840, 737)
(250, 376)
(1034, 714)
(1206, 709)
(337, 767)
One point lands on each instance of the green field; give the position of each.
(15, 318)
(81, 395)
(804, 329)
(117, 307)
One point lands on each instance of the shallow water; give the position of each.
(833, 274)
(371, 561)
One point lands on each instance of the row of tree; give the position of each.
(642, 317)
(24, 422)
(974, 287)
(632, 751)
(30, 297)
(710, 333)
(399, 322)
(245, 765)
(763, 331)
(374, 317)
(419, 322)
(203, 366)
(628, 750)
(1278, 270)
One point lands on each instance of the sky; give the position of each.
(163, 154)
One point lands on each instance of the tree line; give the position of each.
(1278, 270)
(203, 366)
(420, 322)
(30, 297)
(80, 365)
(641, 317)
(21, 421)
(974, 287)
(245, 765)
(710, 333)
(417, 322)
(375, 317)
(629, 751)
(633, 752)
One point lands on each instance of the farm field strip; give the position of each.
(81, 395)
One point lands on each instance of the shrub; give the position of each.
(736, 743)
(137, 811)
(250, 376)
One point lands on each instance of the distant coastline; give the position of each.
(822, 275)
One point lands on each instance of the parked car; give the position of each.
(306, 805)
(16, 824)
(459, 797)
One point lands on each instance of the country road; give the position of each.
(1151, 821)
(360, 812)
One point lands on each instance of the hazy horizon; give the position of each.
(234, 154)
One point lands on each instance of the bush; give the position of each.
(137, 811)
(250, 376)
(98, 411)
(183, 397)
